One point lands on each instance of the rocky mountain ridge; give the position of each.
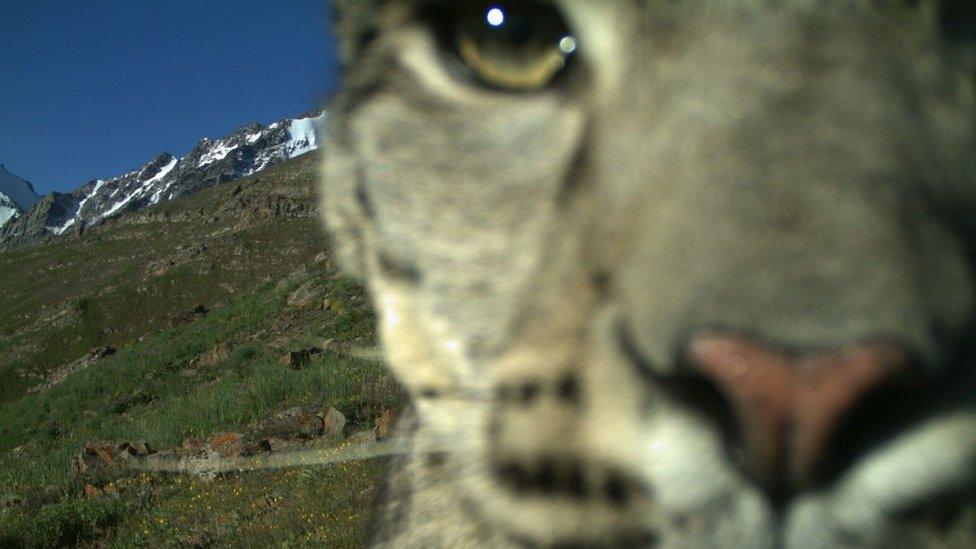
(17, 196)
(247, 150)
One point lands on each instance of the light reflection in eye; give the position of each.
(495, 17)
(567, 44)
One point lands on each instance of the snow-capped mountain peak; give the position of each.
(249, 149)
(17, 196)
(302, 135)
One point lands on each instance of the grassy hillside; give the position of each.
(137, 274)
(201, 297)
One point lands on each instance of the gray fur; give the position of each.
(801, 171)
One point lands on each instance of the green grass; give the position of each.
(145, 392)
(63, 299)
(63, 523)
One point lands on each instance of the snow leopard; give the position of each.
(666, 273)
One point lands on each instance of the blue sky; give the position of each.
(92, 89)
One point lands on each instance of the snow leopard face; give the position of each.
(681, 273)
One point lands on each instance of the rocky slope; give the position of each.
(233, 333)
(133, 274)
(16, 196)
(247, 150)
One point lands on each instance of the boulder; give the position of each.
(161, 459)
(228, 444)
(296, 360)
(192, 445)
(363, 437)
(100, 456)
(333, 423)
(292, 423)
(135, 448)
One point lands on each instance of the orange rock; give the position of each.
(227, 444)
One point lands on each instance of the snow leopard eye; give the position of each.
(515, 45)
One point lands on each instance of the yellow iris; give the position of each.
(519, 49)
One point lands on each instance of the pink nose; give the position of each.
(788, 406)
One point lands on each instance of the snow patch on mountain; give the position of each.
(62, 228)
(219, 152)
(17, 196)
(145, 187)
(159, 177)
(81, 205)
(7, 210)
(302, 135)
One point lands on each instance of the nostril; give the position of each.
(787, 405)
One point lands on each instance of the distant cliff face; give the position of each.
(52, 211)
(247, 150)
(17, 196)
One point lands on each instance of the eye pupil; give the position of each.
(515, 45)
(515, 26)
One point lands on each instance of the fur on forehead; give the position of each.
(356, 21)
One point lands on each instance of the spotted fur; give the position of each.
(799, 171)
